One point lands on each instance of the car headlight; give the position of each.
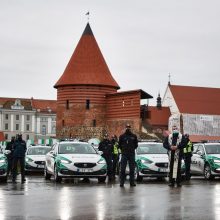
(101, 161)
(2, 161)
(65, 161)
(146, 161)
(28, 159)
(216, 161)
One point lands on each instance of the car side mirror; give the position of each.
(200, 153)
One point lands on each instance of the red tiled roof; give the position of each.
(199, 138)
(87, 65)
(41, 104)
(196, 100)
(159, 116)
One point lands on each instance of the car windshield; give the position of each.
(76, 148)
(38, 150)
(147, 148)
(212, 149)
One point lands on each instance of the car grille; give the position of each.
(164, 165)
(40, 162)
(85, 165)
(70, 172)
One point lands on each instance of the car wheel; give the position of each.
(57, 178)
(101, 179)
(207, 172)
(46, 174)
(137, 176)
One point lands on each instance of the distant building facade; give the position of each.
(34, 118)
(196, 110)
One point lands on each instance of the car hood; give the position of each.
(82, 158)
(37, 157)
(163, 158)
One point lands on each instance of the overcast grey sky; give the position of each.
(142, 42)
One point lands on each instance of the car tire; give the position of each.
(207, 172)
(101, 179)
(47, 176)
(137, 176)
(57, 178)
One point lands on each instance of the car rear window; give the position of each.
(147, 148)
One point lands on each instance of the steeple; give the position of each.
(87, 65)
(159, 105)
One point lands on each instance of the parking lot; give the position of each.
(76, 199)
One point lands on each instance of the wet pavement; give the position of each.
(76, 200)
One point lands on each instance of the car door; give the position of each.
(198, 160)
(50, 159)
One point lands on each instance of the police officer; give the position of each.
(187, 154)
(127, 143)
(19, 156)
(175, 143)
(9, 154)
(115, 155)
(106, 147)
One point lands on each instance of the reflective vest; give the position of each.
(115, 149)
(188, 148)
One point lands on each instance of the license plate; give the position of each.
(163, 170)
(40, 166)
(85, 170)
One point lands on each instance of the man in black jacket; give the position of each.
(175, 143)
(106, 147)
(127, 143)
(19, 155)
(9, 154)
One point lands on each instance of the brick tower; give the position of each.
(82, 91)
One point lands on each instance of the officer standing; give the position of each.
(19, 156)
(175, 143)
(187, 154)
(106, 147)
(115, 155)
(127, 143)
(9, 154)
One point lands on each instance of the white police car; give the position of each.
(74, 159)
(151, 160)
(35, 158)
(206, 160)
(3, 167)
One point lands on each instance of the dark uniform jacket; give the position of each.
(19, 148)
(106, 147)
(10, 146)
(128, 143)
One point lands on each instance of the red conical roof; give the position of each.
(87, 65)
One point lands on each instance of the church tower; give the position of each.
(82, 90)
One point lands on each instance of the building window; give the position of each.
(27, 137)
(44, 130)
(87, 103)
(17, 117)
(94, 122)
(28, 117)
(6, 126)
(27, 127)
(6, 136)
(67, 104)
(6, 116)
(17, 127)
(63, 123)
(54, 129)
(123, 103)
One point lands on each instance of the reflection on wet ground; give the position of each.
(77, 199)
